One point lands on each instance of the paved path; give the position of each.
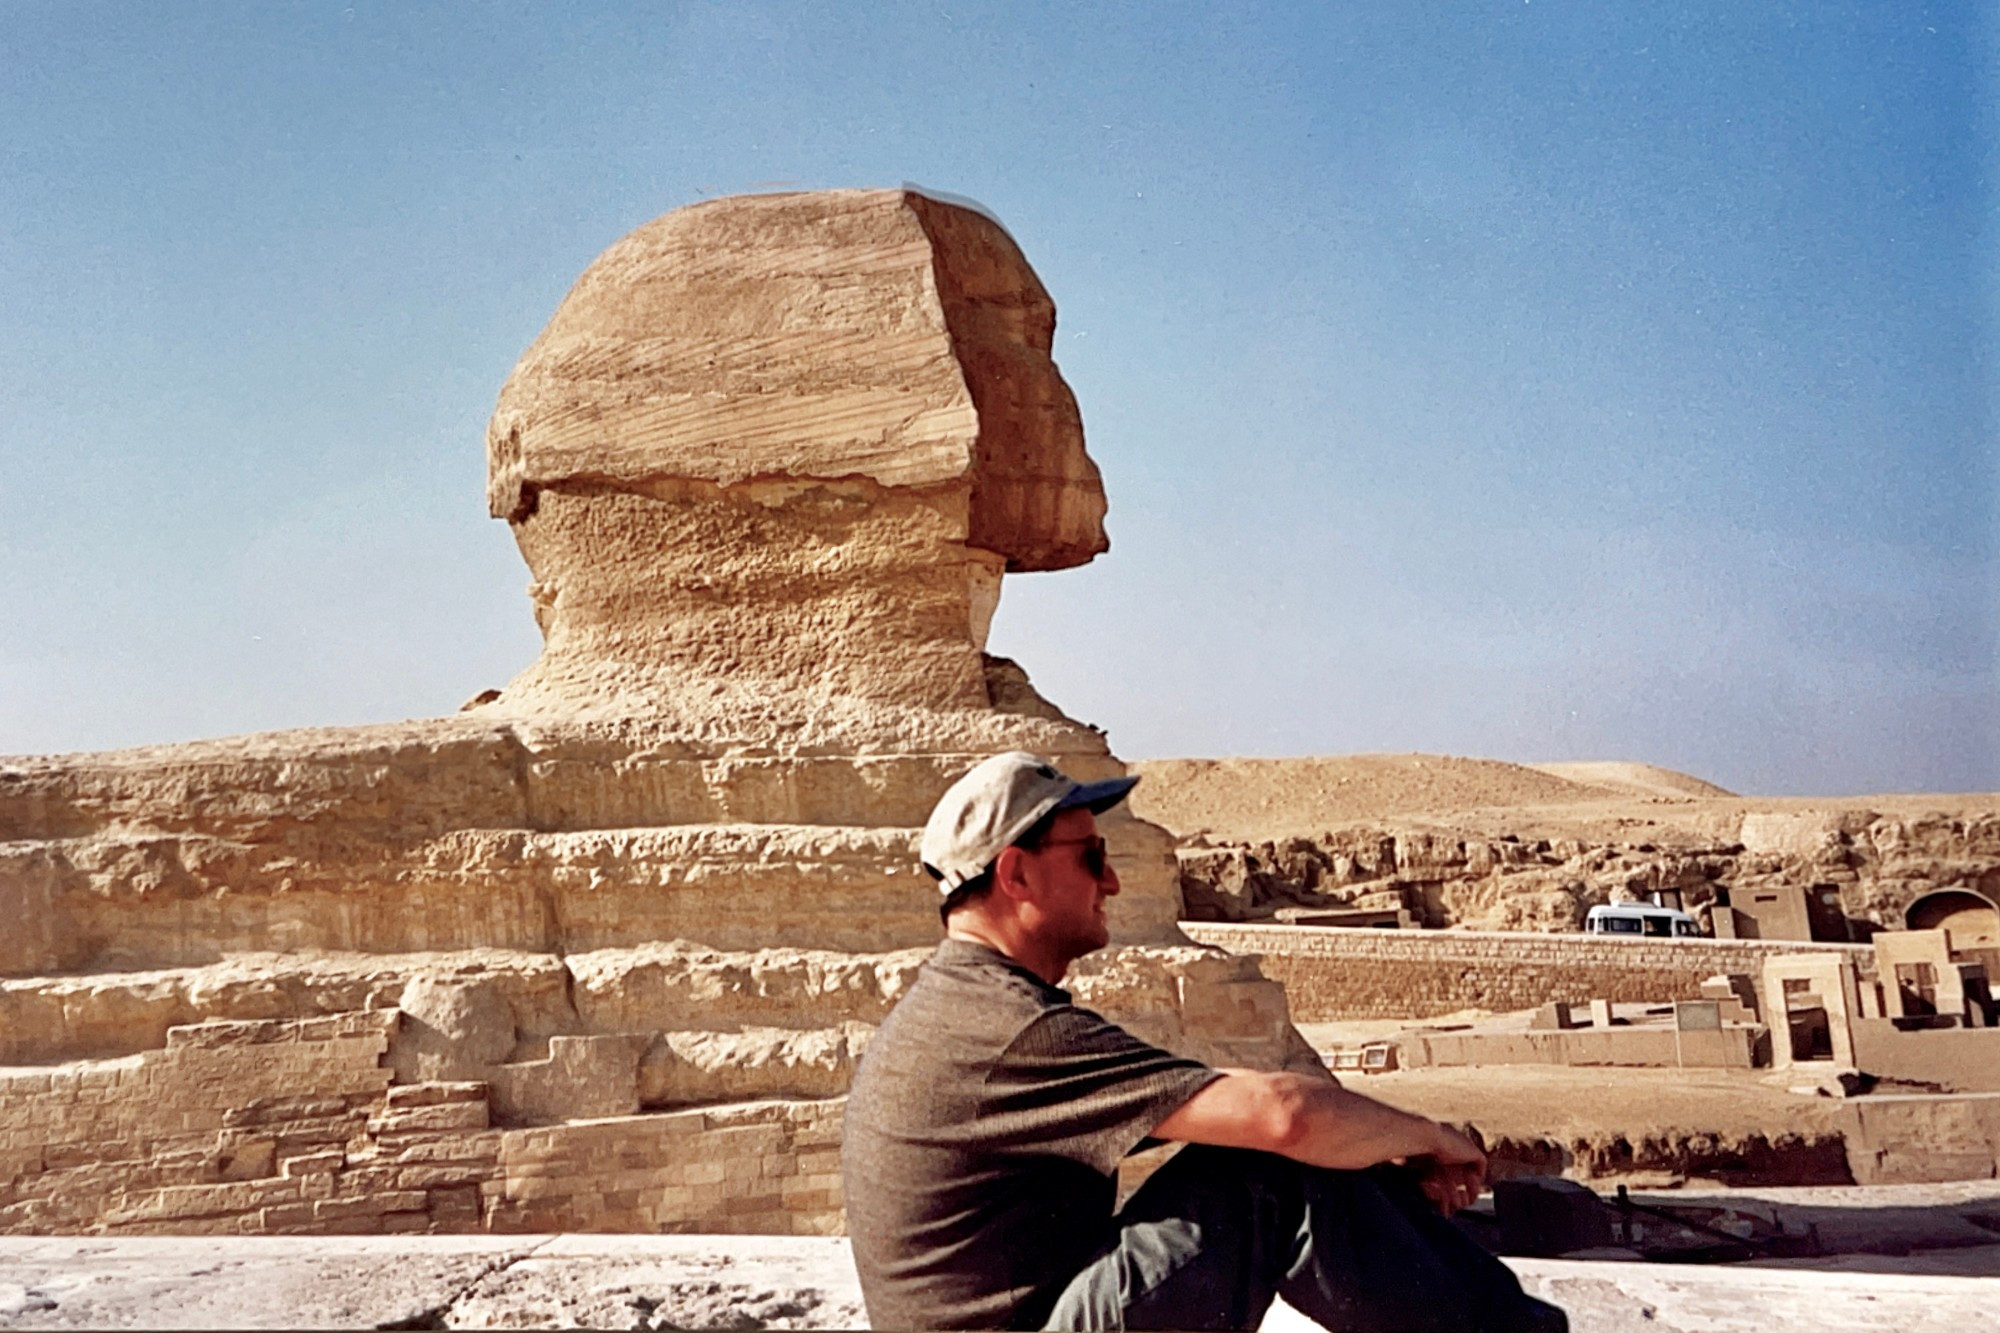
(744, 1282)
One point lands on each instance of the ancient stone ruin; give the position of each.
(1475, 843)
(1869, 1062)
(599, 952)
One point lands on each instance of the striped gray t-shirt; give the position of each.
(983, 1134)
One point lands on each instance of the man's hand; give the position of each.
(1450, 1187)
(1454, 1174)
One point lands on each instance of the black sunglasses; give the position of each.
(1096, 859)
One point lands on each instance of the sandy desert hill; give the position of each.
(1254, 799)
(1634, 779)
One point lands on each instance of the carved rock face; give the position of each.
(836, 412)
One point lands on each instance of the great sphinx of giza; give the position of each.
(768, 464)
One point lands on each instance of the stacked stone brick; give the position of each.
(295, 1127)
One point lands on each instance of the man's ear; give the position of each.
(1010, 873)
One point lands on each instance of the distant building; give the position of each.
(1780, 912)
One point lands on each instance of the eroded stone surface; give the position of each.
(811, 338)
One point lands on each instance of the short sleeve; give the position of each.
(1074, 1085)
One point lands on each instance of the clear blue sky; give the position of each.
(1526, 380)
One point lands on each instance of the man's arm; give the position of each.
(1323, 1124)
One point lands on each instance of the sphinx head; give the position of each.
(779, 401)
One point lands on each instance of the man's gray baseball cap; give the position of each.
(998, 801)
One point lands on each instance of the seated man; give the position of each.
(989, 1115)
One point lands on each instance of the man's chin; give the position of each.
(1088, 942)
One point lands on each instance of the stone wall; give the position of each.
(1732, 1047)
(1959, 1059)
(293, 1126)
(656, 1089)
(1334, 973)
(1903, 1140)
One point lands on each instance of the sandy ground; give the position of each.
(1558, 1102)
(1630, 778)
(745, 1282)
(1563, 1102)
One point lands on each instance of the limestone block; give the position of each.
(1553, 1017)
(341, 1210)
(695, 1067)
(312, 1164)
(425, 1119)
(1204, 1004)
(1907, 1139)
(248, 1159)
(181, 1203)
(677, 986)
(582, 1077)
(450, 1028)
(1810, 834)
(406, 1096)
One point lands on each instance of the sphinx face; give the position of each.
(1037, 498)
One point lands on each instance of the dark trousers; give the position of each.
(1217, 1233)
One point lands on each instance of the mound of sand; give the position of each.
(1236, 798)
(1632, 779)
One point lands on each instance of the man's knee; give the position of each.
(1227, 1191)
(1202, 1244)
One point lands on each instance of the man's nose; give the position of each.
(1109, 883)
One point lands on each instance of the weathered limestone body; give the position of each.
(767, 464)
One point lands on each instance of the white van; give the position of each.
(1639, 919)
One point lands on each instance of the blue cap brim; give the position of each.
(1098, 796)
